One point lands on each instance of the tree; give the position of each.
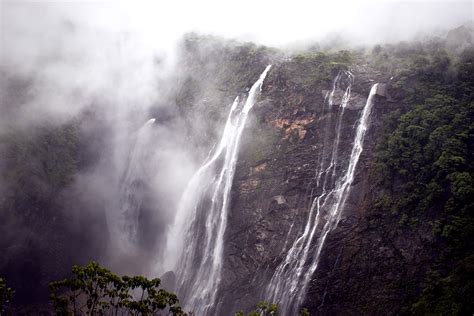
(96, 291)
(263, 309)
(268, 309)
(6, 295)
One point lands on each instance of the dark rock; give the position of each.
(382, 90)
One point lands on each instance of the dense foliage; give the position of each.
(263, 309)
(6, 295)
(95, 290)
(426, 165)
(36, 166)
(268, 309)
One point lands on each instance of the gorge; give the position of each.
(332, 178)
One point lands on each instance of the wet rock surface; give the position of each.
(274, 183)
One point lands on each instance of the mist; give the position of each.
(108, 67)
(73, 54)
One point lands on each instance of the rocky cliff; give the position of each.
(277, 172)
(403, 244)
(378, 260)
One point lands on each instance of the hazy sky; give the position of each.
(109, 48)
(272, 22)
(279, 22)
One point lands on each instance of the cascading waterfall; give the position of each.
(290, 281)
(195, 242)
(131, 189)
(345, 99)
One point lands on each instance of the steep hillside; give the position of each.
(403, 237)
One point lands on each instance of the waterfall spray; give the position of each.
(290, 281)
(125, 224)
(195, 242)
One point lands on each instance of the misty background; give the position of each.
(96, 72)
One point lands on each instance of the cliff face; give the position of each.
(392, 246)
(276, 177)
(289, 132)
(381, 258)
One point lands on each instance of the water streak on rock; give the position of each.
(289, 283)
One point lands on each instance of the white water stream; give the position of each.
(289, 283)
(125, 226)
(195, 242)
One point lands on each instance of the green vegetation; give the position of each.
(312, 68)
(441, 295)
(6, 295)
(342, 57)
(425, 163)
(38, 166)
(263, 309)
(426, 69)
(229, 69)
(268, 309)
(40, 163)
(96, 291)
(430, 152)
(228, 66)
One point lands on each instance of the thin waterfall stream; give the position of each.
(125, 224)
(289, 283)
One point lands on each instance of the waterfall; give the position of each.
(132, 191)
(195, 242)
(289, 283)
